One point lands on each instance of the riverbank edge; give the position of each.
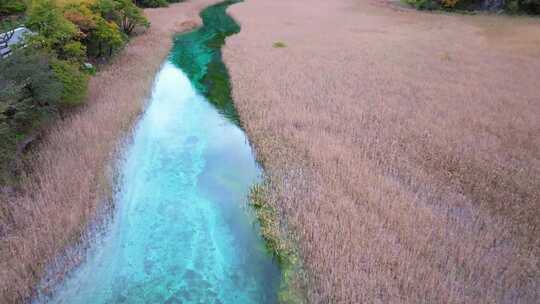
(280, 245)
(130, 76)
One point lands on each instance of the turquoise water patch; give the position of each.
(179, 233)
(198, 54)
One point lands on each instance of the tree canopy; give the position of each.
(48, 75)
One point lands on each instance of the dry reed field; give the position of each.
(402, 148)
(69, 179)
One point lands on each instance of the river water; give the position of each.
(179, 233)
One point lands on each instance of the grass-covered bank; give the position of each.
(280, 244)
(69, 177)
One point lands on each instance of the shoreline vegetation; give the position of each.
(510, 7)
(70, 179)
(280, 244)
(45, 77)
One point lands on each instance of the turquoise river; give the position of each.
(180, 232)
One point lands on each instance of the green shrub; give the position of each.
(152, 3)
(74, 82)
(82, 16)
(53, 29)
(511, 6)
(123, 12)
(129, 16)
(102, 24)
(29, 93)
(105, 40)
(47, 75)
(74, 50)
(423, 4)
(79, 29)
(530, 6)
(106, 9)
(30, 69)
(10, 7)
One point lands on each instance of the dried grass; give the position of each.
(403, 148)
(68, 180)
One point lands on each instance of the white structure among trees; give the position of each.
(10, 38)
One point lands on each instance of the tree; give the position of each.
(151, 3)
(29, 93)
(129, 16)
(30, 70)
(74, 51)
(10, 7)
(106, 39)
(54, 30)
(99, 26)
(123, 12)
(106, 9)
(530, 6)
(74, 82)
(82, 16)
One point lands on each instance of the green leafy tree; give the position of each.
(123, 12)
(52, 28)
(74, 50)
(29, 94)
(82, 16)
(87, 22)
(530, 6)
(129, 16)
(151, 3)
(10, 7)
(30, 70)
(74, 82)
(106, 9)
(99, 25)
(106, 39)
